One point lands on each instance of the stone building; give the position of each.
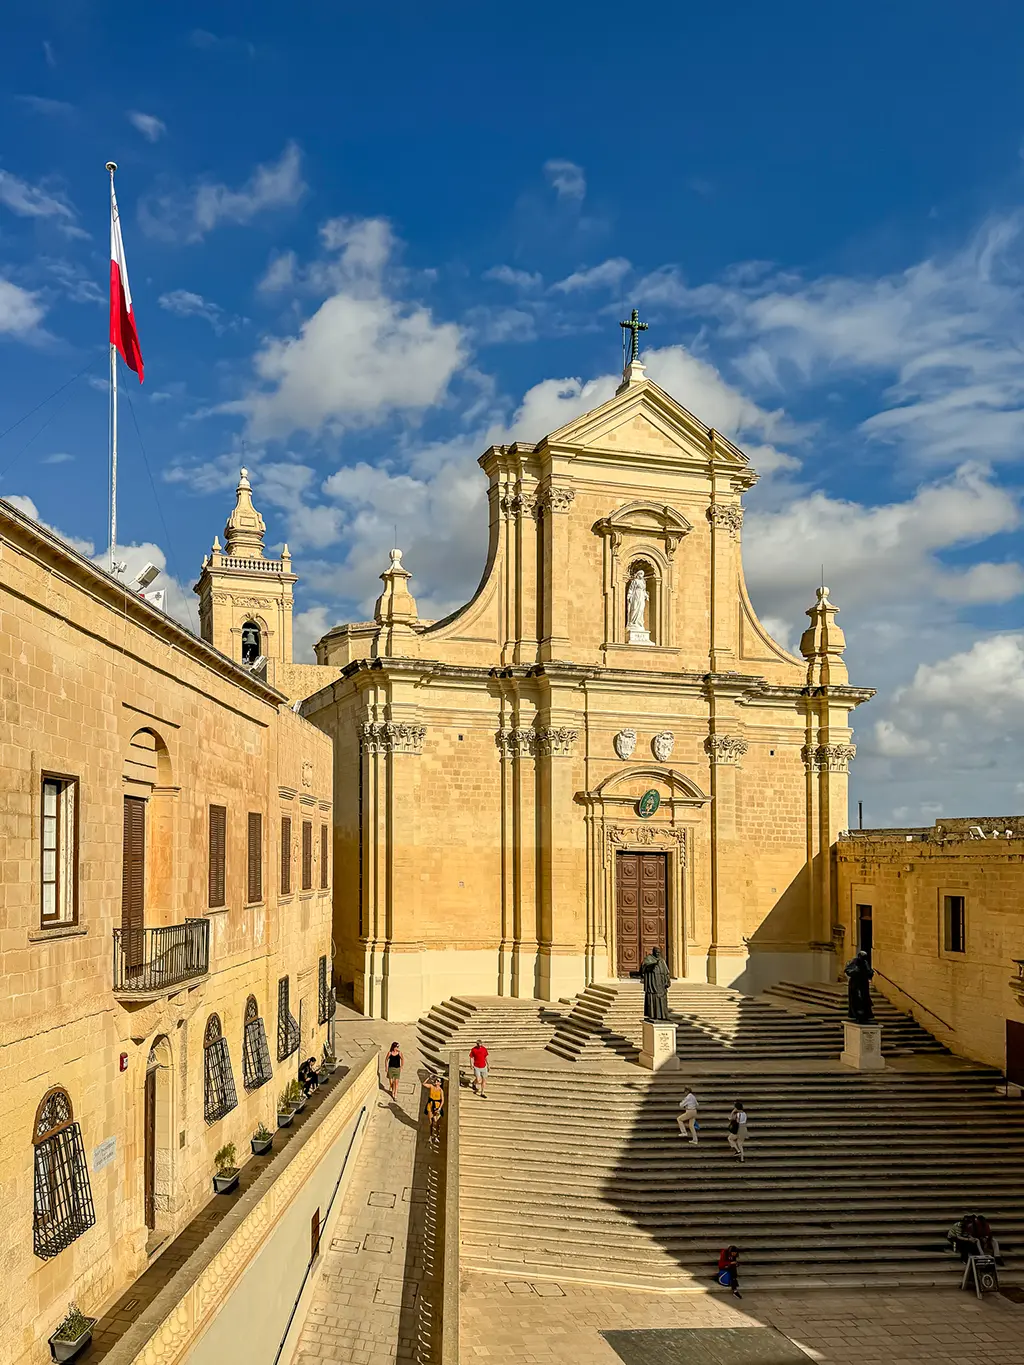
(940, 911)
(603, 751)
(166, 930)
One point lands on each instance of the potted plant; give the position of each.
(297, 1096)
(285, 1109)
(226, 1177)
(329, 1062)
(73, 1334)
(262, 1140)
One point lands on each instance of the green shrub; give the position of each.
(225, 1160)
(73, 1325)
(262, 1133)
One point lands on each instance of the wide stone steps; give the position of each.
(500, 1024)
(850, 1178)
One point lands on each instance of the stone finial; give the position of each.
(633, 373)
(286, 554)
(822, 644)
(396, 604)
(245, 528)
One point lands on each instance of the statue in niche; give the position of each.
(656, 978)
(636, 600)
(859, 973)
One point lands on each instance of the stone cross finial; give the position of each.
(635, 327)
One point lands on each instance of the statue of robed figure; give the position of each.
(655, 973)
(859, 973)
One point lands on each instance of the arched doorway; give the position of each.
(158, 1149)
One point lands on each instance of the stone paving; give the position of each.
(379, 1294)
(544, 1323)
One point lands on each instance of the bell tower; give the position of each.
(245, 599)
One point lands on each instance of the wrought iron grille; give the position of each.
(327, 1001)
(154, 959)
(219, 1096)
(256, 1068)
(287, 1025)
(62, 1204)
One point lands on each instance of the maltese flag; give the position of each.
(122, 319)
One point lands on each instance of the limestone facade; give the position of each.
(117, 723)
(945, 907)
(571, 767)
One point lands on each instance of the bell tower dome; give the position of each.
(245, 599)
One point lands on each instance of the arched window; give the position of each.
(288, 1038)
(256, 1068)
(63, 1207)
(252, 642)
(219, 1096)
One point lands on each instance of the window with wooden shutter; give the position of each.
(255, 857)
(133, 882)
(286, 855)
(325, 862)
(307, 855)
(218, 832)
(58, 829)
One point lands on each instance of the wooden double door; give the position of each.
(641, 909)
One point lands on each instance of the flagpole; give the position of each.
(112, 167)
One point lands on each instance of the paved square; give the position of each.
(706, 1346)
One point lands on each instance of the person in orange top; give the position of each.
(435, 1102)
(478, 1056)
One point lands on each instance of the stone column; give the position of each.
(562, 899)
(555, 503)
(727, 953)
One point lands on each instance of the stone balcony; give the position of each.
(150, 963)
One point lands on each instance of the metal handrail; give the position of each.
(915, 1000)
(148, 960)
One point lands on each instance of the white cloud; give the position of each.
(36, 201)
(151, 127)
(21, 311)
(59, 457)
(396, 358)
(280, 273)
(526, 280)
(183, 303)
(608, 275)
(566, 179)
(39, 104)
(943, 337)
(188, 215)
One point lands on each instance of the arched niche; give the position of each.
(646, 533)
(253, 641)
(147, 775)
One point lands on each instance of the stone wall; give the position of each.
(963, 998)
(99, 686)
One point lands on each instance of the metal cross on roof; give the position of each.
(635, 326)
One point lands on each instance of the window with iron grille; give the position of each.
(219, 1096)
(58, 828)
(287, 1026)
(286, 855)
(307, 855)
(254, 890)
(325, 858)
(327, 1005)
(256, 1068)
(62, 1207)
(218, 832)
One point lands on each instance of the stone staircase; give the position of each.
(900, 1032)
(715, 1025)
(501, 1022)
(850, 1179)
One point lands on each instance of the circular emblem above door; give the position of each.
(649, 803)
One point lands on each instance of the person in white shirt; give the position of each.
(687, 1119)
(738, 1128)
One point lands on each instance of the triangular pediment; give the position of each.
(642, 419)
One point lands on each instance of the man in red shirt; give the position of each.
(478, 1056)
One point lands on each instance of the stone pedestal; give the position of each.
(862, 1046)
(659, 1047)
(637, 635)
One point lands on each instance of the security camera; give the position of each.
(146, 576)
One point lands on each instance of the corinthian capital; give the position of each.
(725, 748)
(727, 515)
(557, 742)
(557, 499)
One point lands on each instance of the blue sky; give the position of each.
(365, 243)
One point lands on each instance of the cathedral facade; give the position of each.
(603, 751)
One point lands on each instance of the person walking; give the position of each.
(687, 1119)
(434, 1107)
(393, 1064)
(738, 1128)
(728, 1269)
(478, 1056)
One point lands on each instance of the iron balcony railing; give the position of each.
(152, 960)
